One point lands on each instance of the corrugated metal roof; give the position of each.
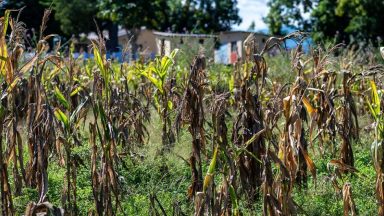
(244, 32)
(123, 32)
(169, 34)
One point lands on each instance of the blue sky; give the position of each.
(252, 10)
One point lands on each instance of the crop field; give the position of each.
(297, 133)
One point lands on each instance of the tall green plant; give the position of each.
(157, 73)
(377, 147)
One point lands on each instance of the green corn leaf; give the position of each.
(165, 63)
(3, 46)
(235, 206)
(211, 170)
(170, 105)
(157, 103)
(173, 53)
(100, 63)
(104, 121)
(375, 99)
(231, 84)
(61, 117)
(76, 91)
(13, 84)
(212, 165)
(371, 109)
(98, 59)
(156, 82)
(61, 98)
(6, 21)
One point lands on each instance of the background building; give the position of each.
(224, 47)
(231, 47)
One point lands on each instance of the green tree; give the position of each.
(328, 25)
(32, 15)
(134, 14)
(344, 20)
(364, 19)
(200, 16)
(288, 13)
(74, 16)
(77, 16)
(216, 15)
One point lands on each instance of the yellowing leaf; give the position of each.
(3, 50)
(13, 84)
(76, 91)
(308, 106)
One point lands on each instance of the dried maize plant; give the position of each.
(293, 151)
(221, 199)
(277, 189)
(296, 115)
(130, 112)
(41, 121)
(14, 141)
(277, 198)
(130, 104)
(348, 111)
(6, 195)
(41, 136)
(336, 109)
(45, 208)
(132, 119)
(276, 195)
(249, 122)
(103, 137)
(324, 87)
(191, 112)
(248, 125)
(223, 202)
(12, 73)
(292, 159)
(348, 203)
(348, 128)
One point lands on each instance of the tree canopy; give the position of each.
(199, 16)
(76, 16)
(32, 14)
(344, 20)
